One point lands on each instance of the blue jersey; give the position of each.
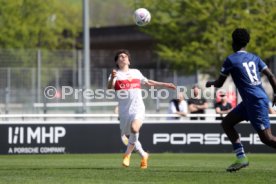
(245, 70)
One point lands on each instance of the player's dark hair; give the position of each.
(195, 86)
(240, 38)
(122, 51)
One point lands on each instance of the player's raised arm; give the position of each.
(110, 84)
(272, 81)
(217, 83)
(161, 84)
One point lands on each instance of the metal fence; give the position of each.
(20, 88)
(24, 74)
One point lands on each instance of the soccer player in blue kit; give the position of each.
(245, 69)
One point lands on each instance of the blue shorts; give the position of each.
(256, 113)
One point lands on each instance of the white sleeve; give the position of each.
(270, 104)
(109, 78)
(142, 77)
(185, 106)
(172, 108)
(114, 80)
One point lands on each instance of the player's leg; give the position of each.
(134, 144)
(133, 138)
(138, 147)
(267, 137)
(125, 126)
(228, 123)
(124, 139)
(134, 135)
(233, 118)
(126, 157)
(144, 155)
(261, 123)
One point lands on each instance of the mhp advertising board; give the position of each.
(49, 138)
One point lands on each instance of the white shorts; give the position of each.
(125, 122)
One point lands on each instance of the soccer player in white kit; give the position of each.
(131, 106)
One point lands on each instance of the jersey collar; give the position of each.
(244, 51)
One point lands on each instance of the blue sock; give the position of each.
(238, 148)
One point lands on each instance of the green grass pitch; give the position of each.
(106, 168)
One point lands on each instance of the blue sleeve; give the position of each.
(261, 65)
(226, 67)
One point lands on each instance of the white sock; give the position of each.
(139, 149)
(133, 138)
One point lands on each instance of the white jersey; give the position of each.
(129, 94)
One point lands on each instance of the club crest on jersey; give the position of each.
(127, 84)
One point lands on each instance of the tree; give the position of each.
(197, 34)
(45, 24)
(110, 12)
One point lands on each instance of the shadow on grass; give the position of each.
(57, 168)
(189, 171)
(150, 170)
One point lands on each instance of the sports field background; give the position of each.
(106, 168)
(42, 45)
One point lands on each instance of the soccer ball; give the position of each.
(142, 17)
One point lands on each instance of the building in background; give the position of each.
(106, 40)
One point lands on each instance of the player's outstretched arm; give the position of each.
(161, 84)
(272, 81)
(217, 83)
(110, 83)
